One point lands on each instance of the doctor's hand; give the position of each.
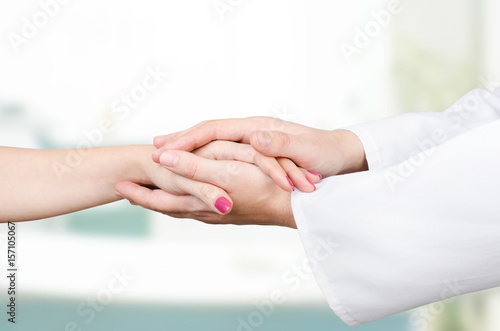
(324, 153)
(256, 198)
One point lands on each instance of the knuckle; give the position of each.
(190, 169)
(203, 123)
(214, 150)
(208, 192)
(207, 124)
(283, 139)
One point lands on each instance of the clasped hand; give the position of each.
(241, 171)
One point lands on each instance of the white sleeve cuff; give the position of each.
(391, 140)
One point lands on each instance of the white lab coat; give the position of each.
(422, 225)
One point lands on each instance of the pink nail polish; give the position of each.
(314, 173)
(311, 183)
(290, 182)
(222, 204)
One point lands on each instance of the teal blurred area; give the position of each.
(117, 222)
(50, 314)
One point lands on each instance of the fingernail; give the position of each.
(314, 173)
(263, 139)
(290, 182)
(222, 204)
(169, 159)
(118, 194)
(311, 183)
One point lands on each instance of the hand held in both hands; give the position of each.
(317, 153)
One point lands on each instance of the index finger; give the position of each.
(233, 129)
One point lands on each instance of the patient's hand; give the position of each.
(256, 198)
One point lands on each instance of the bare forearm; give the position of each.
(42, 183)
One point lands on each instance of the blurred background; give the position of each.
(65, 66)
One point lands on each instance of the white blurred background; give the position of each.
(61, 77)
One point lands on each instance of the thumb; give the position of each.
(278, 143)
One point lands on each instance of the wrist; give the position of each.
(139, 164)
(286, 214)
(351, 150)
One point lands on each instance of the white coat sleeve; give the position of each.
(392, 140)
(385, 241)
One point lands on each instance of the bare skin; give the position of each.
(43, 183)
(257, 199)
(324, 152)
